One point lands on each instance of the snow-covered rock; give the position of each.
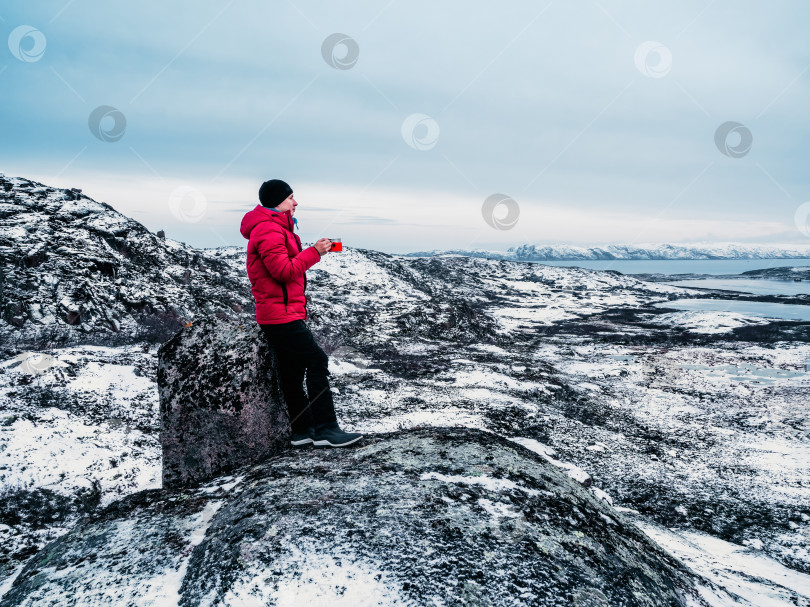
(439, 516)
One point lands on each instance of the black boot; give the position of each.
(330, 435)
(302, 439)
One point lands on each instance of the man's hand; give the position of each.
(323, 246)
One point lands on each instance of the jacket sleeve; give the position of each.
(276, 259)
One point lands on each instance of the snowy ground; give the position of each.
(748, 576)
(91, 416)
(64, 449)
(704, 444)
(78, 429)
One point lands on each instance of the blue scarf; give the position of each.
(295, 219)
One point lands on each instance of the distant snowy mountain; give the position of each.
(528, 252)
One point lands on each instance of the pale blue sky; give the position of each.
(543, 101)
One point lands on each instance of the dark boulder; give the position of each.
(220, 401)
(433, 516)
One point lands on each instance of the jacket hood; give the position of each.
(260, 214)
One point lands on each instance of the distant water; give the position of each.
(682, 266)
(749, 308)
(760, 286)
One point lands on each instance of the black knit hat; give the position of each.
(272, 193)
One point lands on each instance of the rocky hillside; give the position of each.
(73, 270)
(369, 299)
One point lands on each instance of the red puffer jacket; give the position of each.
(276, 266)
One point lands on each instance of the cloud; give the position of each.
(541, 102)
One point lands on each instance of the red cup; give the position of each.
(337, 245)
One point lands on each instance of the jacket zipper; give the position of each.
(306, 311)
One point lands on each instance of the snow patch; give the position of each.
(743, 571)
(575, 472)
(707, 322)
(313, 578)
(499, 485)
(498, 509)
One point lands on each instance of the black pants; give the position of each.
(297, 354)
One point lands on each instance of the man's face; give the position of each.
(289, 204)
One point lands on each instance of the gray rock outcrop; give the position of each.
(74, 270)
(432, 516)
(221, 404)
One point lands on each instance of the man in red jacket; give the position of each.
(276, 267)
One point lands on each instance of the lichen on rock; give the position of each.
(220, 401)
